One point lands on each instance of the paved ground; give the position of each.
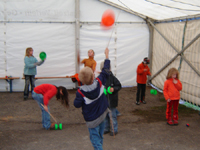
(141, 127)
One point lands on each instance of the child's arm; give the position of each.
(178, 85)
(78, 102)
(140, 70)
(148, 73)
(38, 63)
(117, 85)
(165, 90)
(83, 61)
(104, 73)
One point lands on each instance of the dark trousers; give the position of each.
(29, 79)
(141, 88)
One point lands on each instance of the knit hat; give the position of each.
(146, 60)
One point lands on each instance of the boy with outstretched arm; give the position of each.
(93, 101)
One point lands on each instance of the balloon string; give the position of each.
(113, 29)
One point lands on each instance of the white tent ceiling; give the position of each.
(159, 10)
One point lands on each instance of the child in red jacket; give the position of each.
(42, 94)
(142, 72)
(172, 88)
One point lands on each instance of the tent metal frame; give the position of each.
(179, 53)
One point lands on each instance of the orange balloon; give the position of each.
(108, 18)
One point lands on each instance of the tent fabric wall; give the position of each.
(51, 28)
(163, 52)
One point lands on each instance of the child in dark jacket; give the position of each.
(115, 86)
(93, 101)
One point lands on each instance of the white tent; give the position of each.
(158, 29)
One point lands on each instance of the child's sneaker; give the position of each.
(52, 127)
(137, 103)
(143, 102)
(175, 122)
(169, 122)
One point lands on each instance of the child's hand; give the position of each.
(106, 52)
(145, 70)
(168, 100)
(175, 81)
(45, 108)
(111, 89)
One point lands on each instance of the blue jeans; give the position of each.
(29, 79)
(108, 127)
(46, 123)
(96, 136)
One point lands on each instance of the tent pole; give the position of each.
(150, 45)
(77, 36)
(179, 53)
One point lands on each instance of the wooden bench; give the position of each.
(9, 80)
(51, 77)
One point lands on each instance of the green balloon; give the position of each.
(153, 92)
(56, 127)
(60, 126)
(105, 92)
(42, 55)
(109, 90)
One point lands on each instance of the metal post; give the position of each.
(77, 34)
(150, 44)
(179, 53)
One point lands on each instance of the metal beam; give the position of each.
(77, 35)
(179, 53)
(123, 8)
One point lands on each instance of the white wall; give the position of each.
(50, 26)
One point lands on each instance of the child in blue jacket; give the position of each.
(30, 71)
(93, 101)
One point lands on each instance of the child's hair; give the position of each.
(86, 75)
(92, 51)
(27, 51)
(171, 72)
(63, 98)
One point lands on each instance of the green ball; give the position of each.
(42, 55)
(153, 92)
(105, 92)
(60, 126)
(109, 90)
(56, 127)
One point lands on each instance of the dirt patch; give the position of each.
(140, 126)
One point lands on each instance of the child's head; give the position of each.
(29, 51)
(172, 73)
(146, 61)
(91, 53)
(86, 75)
(62, 95)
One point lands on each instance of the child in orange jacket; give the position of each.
(142, 72)
(172, 88)
(90, 62)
